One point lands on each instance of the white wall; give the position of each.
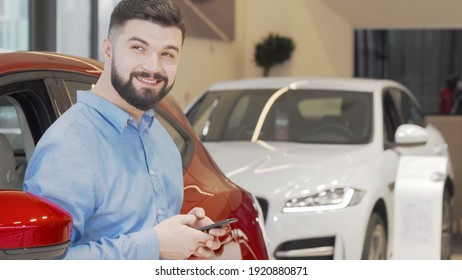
(324, 41)
(204, 62)
(323, 45)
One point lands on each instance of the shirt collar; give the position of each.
(146, 120)
(115, 115)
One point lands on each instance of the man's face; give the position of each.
(145, 59)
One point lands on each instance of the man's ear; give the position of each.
(107, 50)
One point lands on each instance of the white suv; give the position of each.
(321, 155)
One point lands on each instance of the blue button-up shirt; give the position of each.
(116, 178)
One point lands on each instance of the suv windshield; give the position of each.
(306, 116)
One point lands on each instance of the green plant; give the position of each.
(272, 50)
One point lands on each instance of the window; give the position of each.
(402, 108)
(14, 24)
(235, 119)
(179, 135)
(73, 17)
(9, 125)
(104, 14)
(72, 87)
(390, 117)
(411, 111)
(306, 116)
(70, 83)
(174, 134)
(318, 108)
(401, 55)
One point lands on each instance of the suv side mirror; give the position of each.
(32, 227)
(411, 134)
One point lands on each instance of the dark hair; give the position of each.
(162, 12)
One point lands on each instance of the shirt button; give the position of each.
(160, 212)
(151, 172)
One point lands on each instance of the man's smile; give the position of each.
(149, 80)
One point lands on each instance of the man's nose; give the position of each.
(152, 64)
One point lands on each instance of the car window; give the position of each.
(73, 86)
(411, 111)
(320, 107)
(399, 108)
(9, 126)
(25, 113)
(236, 118)
(202, 115)
(391, 117)
(307, 116)
(180, 142)
(32, 111)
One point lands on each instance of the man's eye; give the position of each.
(169, 55)
(138, 48)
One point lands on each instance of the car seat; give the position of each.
(9, 175)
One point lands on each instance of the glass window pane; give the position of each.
(180, 142)
(14, 24)
(73, 27)
(73, 86)
(9, 126)
(308, 116)
(105, 8)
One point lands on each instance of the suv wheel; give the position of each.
(375, 243)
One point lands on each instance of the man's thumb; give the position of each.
(187, 219)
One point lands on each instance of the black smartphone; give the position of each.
(218, 224)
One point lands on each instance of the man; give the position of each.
(447, 95)
(110, 163)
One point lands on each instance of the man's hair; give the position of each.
(162, 12)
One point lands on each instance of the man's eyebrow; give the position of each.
(138, 39)
(172, 47)
(134, 38)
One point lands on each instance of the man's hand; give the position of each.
(202, 220)
(179, 239)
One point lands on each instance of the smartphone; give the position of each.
(218, 224)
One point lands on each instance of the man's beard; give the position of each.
(145, 98)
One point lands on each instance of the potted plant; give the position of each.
(272, 50)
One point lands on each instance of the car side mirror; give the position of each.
(411, 134)
(32, 227)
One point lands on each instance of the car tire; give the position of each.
(446, 227)
(375, 243)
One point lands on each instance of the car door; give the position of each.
(29, 103)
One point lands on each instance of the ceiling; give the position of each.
(212, 19)
(391, 14)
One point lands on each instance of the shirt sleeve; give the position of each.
(61, 172)
(129, 246)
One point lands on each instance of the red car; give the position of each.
(35, 89)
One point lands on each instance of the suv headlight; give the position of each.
(328, 199)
